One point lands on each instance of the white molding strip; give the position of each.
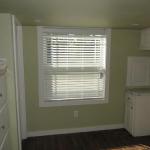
(74, 130)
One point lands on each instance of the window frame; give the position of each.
(40, 30)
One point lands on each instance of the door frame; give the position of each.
(21, 84)
(19, 79)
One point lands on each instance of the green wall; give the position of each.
(124, 43)
(6, 51)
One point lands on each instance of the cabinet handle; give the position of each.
(131, 107)
(1, 94)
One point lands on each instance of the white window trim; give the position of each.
(74, 102)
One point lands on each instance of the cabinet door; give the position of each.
(145, 39)
(138, 72)
(141, 118)
(5, 145)
(2, 90)
(3, 123)
(129, 115)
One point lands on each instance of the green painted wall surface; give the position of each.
(124, 43)
(6, 51)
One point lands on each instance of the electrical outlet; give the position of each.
(76, 113)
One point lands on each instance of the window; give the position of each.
(73, 66)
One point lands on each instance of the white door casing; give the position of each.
(19, 79)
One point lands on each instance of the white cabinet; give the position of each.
(2, 90)
(138, 71)
(137, 120)
(145, 39)
(4, 143)
(128, 115)
(3, 122)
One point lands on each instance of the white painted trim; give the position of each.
(108, 34)
(14, 24)
(72, 102)
(74, 30)
(40, 53)
(74, 130)
(21, 83)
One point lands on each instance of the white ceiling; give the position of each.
(86, 13)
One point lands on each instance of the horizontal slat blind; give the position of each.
(73, 66)
(64, 87)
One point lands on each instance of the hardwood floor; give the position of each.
(102, 140)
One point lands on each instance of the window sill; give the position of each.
(72, 102)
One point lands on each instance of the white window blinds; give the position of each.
(72, 65)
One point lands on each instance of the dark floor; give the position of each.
(102, 140)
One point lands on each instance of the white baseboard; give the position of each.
(74, 130)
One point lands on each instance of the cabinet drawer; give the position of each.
(2, 90)
(3, 123)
